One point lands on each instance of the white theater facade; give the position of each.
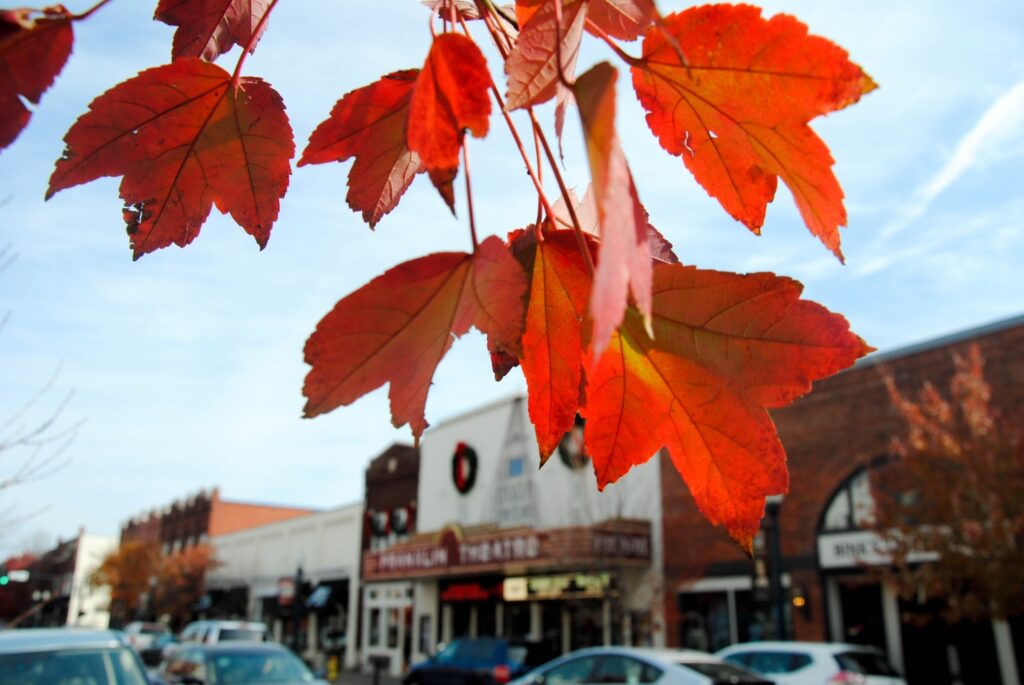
(504, 548)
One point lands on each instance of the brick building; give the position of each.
(833, 438)
(195, 519)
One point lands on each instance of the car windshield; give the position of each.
(240, 635)
(868, 663)
(726, 673)
(227, 668)
(72, 667)
(153, 630)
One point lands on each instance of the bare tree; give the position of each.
(34, 435)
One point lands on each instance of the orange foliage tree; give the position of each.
(950, 507)
(587, 296)
(142, 578)
(181, 581)
(127, 572)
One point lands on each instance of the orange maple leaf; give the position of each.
(452, 94)
(737, 111)
(553, 337)
(532, 66)
(370, 124)
(184, 137)
(725, 348)
(398, 327)
(624, 19)
(624, 260)
(208, 28)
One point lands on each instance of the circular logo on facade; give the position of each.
(464, 467)
(571, 449)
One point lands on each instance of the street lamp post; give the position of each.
(297, 609)
(772, 505)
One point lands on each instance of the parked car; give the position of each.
(635, 666)
(479, 661)
(141, 635)
(212, 632)
(235, 663)
(154, 654)
(815, 663)
(68, 656)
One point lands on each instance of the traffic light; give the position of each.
(4, 579)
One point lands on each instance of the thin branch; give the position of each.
(515, 135)
(86, 14)
(469, 194)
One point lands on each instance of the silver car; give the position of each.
(636, 666)
(67, 656)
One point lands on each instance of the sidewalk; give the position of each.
(360, 678)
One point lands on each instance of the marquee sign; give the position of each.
(453, 551)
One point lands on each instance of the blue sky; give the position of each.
(186, 366)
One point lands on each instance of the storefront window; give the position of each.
(374, 636)
(393, 624)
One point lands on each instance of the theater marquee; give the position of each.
(488, 549)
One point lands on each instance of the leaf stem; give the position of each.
(250, 45)
(469, 194)
(534, 176)
(622, 54)
(86, 14)
(576, 225)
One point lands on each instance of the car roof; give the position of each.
(256, 625)
(46, 639)
(814, 647)
(667, 655)
(222, 647)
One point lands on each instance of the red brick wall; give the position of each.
(228, 517)
(842, 425)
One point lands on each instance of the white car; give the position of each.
(141, 635)
(634, 666)
(814, 663)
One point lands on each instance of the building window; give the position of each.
(515, 467)
(374, 636)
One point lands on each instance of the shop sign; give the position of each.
(285, 591)
(621, 545)
(562, 586)
(860, 548)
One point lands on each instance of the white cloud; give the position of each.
(993, 137)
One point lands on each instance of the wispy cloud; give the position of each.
(987, 140)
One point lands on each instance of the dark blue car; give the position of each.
(479, 661)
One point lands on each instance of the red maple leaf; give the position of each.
(625, 19)
(553, 336)
(725, 347)
(185, 137)
(398, 327)
(370, 124)
(624, 260)
(208, 28)
(452, 94)
(32, 52)
(737, 112)
(532, 66)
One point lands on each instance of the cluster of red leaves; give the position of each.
(600, 314)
